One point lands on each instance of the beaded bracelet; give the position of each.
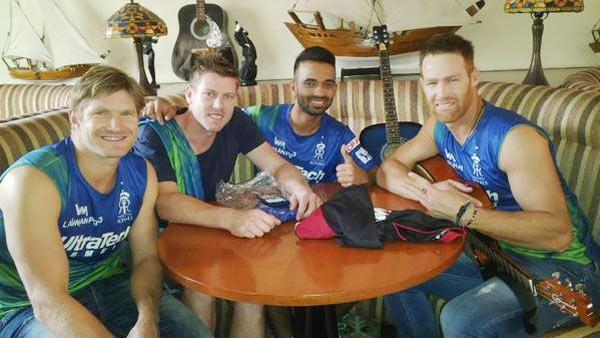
(472, 217)
(461, 211)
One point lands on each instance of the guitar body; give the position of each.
(374, 139)
(200, 35)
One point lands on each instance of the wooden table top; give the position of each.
(281, 269)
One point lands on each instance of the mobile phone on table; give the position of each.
(274, 201)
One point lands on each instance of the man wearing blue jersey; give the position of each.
(65, 211)
(323, 149)
(536, 220)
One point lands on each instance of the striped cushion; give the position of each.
(588, 79)
(20, 99)
(21, 135)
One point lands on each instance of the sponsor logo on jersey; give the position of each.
(83, 218)
(87, 246)
(279, 146)
(352, 144)
(363, 155)
(452, 160)
(314, 176)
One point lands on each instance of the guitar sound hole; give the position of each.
(200, 29)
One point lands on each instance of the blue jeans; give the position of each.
(111, 302)
(478, 308)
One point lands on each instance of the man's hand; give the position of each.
(348, 173)
(144, 328)
(250, 223)
(159, 110)
(303, 200)
(442, 199)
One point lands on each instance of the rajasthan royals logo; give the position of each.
(124, 203)
(319, 151)
(477, 172)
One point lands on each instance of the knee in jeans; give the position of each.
(456, 320)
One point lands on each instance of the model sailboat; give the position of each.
(60, 52)
(411, 22)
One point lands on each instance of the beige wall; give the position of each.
(502, 41)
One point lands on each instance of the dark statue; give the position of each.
(148, 50)
(248, 68)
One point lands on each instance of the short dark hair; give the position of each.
(448, 43)
(212, 63)
(315, 53)
(104, 80)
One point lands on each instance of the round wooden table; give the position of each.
(280, 269)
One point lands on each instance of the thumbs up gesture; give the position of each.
(348, 173)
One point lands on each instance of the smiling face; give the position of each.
(449, 85)
(105, 126)
(212, 100)
(314, 87)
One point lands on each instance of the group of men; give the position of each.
(61, 271)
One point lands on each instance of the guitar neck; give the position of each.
(200, 10)
(391, 120)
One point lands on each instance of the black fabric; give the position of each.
(418, 227)
(349, 213)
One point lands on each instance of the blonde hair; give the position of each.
(104, 80)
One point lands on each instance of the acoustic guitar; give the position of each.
(382, 139)
(202, 29)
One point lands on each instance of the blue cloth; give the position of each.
(181, 157)
(477, 160)
(93, 226)
(315, 155)
(483, 309)
(240, 135)
(110, 300)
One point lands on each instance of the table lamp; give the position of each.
(539, 10)
(137, 22)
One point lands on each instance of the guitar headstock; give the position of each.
(381, 37)
(564, 296)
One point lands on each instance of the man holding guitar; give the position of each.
(536, 220)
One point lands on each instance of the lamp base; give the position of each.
(535, 75)
(143, 80)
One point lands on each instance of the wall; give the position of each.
(503, 41)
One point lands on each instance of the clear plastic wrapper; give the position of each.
(247, 195)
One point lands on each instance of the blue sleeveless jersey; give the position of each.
(478, 161)
(92, 225)
(315, 155)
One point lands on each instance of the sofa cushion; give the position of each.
(20, 99)
(21, 135)
(588, 79)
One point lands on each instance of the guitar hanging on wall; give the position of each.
(202, 28)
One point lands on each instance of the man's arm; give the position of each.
(302, 198)
(176, 207)
(146, 276)
(35, 245)
(161, 110)
(543, 224)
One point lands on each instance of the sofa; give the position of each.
(570, 116)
